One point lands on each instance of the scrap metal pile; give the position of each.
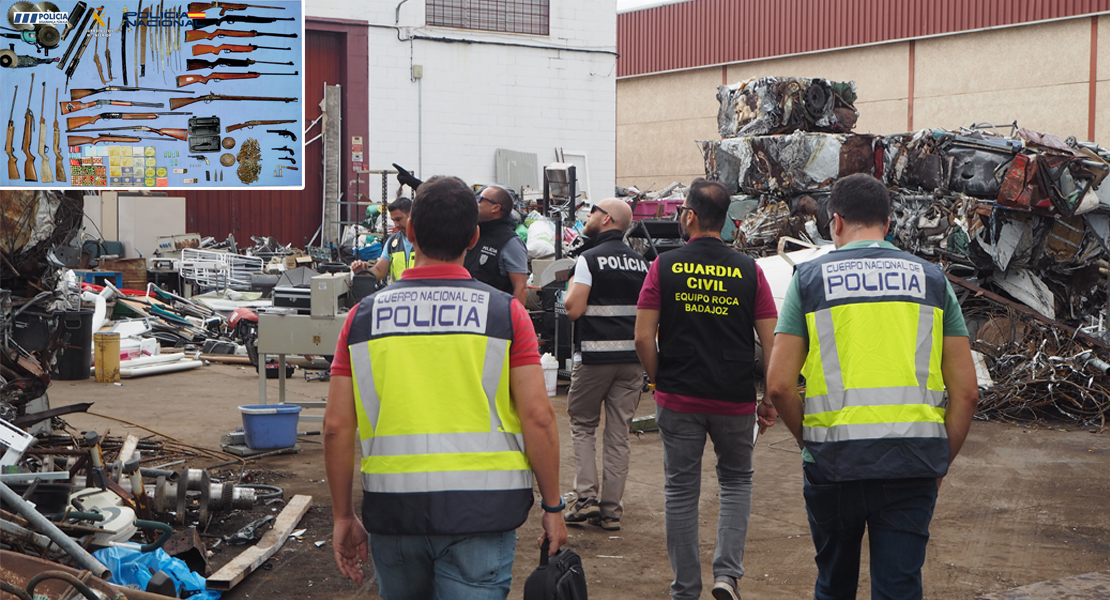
(1017, 219)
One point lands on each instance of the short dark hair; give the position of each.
(402, 204)
(860, 199)
(710, 201)
(444, 217)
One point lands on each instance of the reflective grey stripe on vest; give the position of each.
(870, 431)
(872, 397)
(443, 443)
(367, 391)
(610, 310)
(439, 481)
(496, 349)
(830, 358)
(608, 346)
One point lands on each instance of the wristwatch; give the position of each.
(554, 509)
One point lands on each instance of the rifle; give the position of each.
(184, 80)
(68, 107)
(251, 124)
(202, 23)
(59, 169)
(206, 49)
(72, 68)
(46, 178)
(79, 140)
(29, 173)
(199, 63)
(13, 167)
(283, 133)
(135, 48)
(77, 37)
(75, 122)
(176, 103)
(194, 35)
(177, 134)
(226, 6)
(82, 93)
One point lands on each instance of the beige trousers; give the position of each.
(618, 388)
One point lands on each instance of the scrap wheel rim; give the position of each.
(19, 7)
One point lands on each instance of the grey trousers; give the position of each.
(618, 388)
(683, 436)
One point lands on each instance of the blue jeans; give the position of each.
(683, 436)
(896, 514)
(420, 567)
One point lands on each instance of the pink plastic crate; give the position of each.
(655, 209)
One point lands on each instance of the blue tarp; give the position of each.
(134, 569)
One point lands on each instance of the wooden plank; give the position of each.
(1090, 586)
(252, 558)
(128, 448)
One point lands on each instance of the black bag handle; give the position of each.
(544, 548)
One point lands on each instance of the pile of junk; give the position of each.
(89, 514)
(1019, 220)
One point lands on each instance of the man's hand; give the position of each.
(766, 416)
(406, 178)
(359, 265)
(554, 529)
(349, 540)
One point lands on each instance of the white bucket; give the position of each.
(550, 374)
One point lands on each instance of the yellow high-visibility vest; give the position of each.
(875, 401)
(442, 444)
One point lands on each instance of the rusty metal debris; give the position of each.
(1019, 218)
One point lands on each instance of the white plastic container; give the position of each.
(550, 373)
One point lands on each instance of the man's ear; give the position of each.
(410, 233)
(474, 238)
(886, 228)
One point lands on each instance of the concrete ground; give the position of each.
(1021, 505)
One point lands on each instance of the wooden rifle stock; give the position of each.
(13, 167)
(29, 172)
(200, 49)
(226, 6)
(59, 167)
(46, 176)
(81, 140)
(75, 122)
(184, 80)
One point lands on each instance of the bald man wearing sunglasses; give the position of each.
(602, 299)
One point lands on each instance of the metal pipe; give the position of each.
(77, 584)
(51, 531)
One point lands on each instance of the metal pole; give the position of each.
(51, 531)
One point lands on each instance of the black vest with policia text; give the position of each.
(608, 327)
(706, 325)
(483, 259)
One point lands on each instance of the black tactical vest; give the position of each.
(608, 326)
(706, 325)
(482, 259)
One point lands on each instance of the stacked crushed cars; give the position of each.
(1017, 218)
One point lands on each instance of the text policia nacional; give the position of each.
(704, 279)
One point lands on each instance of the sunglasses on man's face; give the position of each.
(484, 199)
(682, 209)
(597, 208)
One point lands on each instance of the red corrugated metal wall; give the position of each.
(288, 216)
(708, 32)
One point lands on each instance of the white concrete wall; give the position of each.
(476, 98)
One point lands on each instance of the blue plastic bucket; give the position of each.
(270, 426)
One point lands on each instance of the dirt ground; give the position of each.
(1021, 505)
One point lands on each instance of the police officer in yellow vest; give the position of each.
(397, 252)
(439, 376)
(879, 337)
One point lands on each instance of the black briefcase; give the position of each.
(559, 577)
